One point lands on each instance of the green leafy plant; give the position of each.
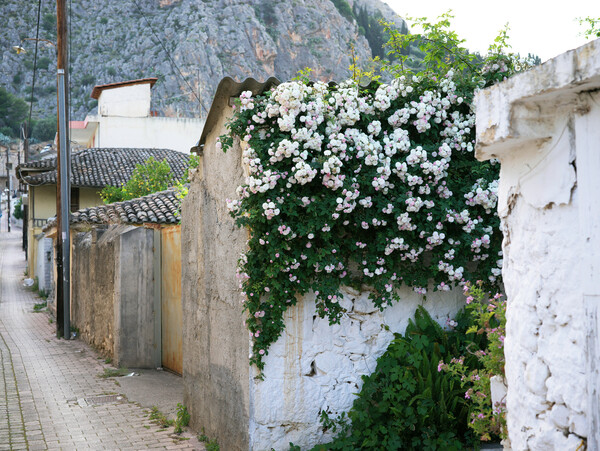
(407, 403)
(183, 418)
(18, 212)
(489, 316)
(210, 445)
(159, 418)
(374, 185)
(147, 178)
(40, 307)
(113, 372)
(593, 26)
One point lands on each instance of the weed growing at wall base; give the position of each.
(375, 185)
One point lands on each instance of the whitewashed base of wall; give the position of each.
(314, 367)
(498, 391)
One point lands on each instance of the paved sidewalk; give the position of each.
(49, 388)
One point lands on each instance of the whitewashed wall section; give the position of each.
(316, 367)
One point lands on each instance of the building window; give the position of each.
(74, 199)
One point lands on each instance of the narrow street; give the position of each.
(51, 395)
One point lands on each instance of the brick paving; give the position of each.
(44, 381)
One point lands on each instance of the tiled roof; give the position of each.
(156, 208)
(99, 167)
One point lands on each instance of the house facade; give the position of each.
(91, 170)
(125, 119)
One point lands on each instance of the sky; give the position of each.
(544, 28)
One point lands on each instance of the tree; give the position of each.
(13, 111)
(44, 129)
(147, 178)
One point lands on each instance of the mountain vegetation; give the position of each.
(189, 45)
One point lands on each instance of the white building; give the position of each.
(125, 119)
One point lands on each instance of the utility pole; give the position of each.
(62, 172)
(8, 185)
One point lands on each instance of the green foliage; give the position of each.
(43, 62)
(593, 26)
(88, 79)
(49, 24)
(147, 178)
(267, 15)
(40, 307)
(160, 418)
(488, 314)
(113, 372)
(407, 403)
(210, 445)
(13, 112)
(183, 418)
(44, 129)
(372, 28)
(344, 9)
(18, 212)
(374, 185)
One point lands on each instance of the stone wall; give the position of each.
(93, 288)
(543, 127)
(113, 297)
(44, 263)
(215, 341)
(316, 367)
(312, 367)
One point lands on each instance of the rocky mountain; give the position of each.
(190, 45)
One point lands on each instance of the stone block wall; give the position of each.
(315, 367)
(113, 297)
(93, 289)
(543, 127)
(312, 367)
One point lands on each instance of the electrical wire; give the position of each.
(168, 54)
(37, 35)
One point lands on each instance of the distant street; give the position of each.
(50, 394)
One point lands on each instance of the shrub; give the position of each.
(147, 178)
(488, 314)
(44, 129)
(374, 185)
(18, 212)
(407, 403)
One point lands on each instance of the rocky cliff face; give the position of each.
(190, 45)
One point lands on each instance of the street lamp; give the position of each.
(20, 49)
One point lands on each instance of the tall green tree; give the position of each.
(13, 111)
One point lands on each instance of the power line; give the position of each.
(168, 54)
(37, 35)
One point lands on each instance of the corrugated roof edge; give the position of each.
(227, 88)
(96, 90)
(230, 88)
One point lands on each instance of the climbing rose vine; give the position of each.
(352, 185)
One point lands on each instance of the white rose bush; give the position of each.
(362, 186)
